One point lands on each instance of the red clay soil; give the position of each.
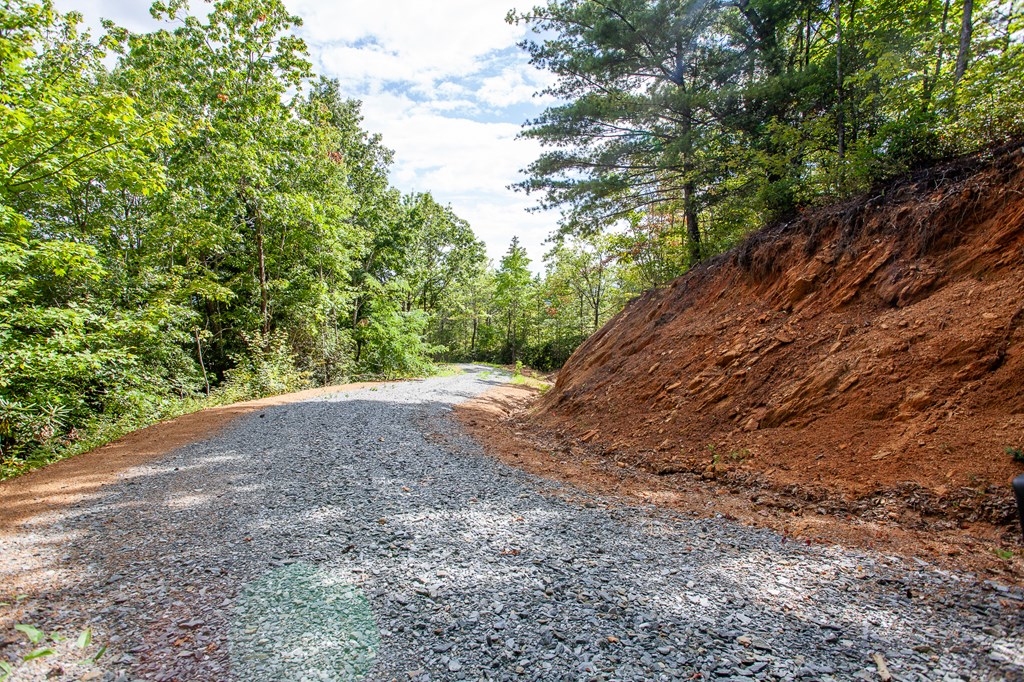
(68, 481)
(866, 358)
(500, 421)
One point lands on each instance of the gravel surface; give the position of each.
(360, 536)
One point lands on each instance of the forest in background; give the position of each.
(192, 216)
(684, 125)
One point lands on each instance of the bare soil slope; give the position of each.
(866, 357)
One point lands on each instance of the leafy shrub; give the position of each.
(552, 354)
(395, 345)
(268, 367)
(327, 357)
(24, 427)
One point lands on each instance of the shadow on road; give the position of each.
(449, 547)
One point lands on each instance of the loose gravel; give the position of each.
(361, 536)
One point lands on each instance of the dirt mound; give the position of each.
(866, 358)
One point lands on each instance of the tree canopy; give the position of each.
(734, 113)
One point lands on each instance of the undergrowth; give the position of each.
(532, 382)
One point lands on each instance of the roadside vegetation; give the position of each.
(192, 217)
(681, 126)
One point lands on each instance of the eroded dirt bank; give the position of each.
(862, 360)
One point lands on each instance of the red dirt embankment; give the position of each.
(865, 358)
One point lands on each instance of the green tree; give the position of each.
(512, 292)
(273, 245)
(639, 121)
(202, 219)
(83, 328)
(731, 114)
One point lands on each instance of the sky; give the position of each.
(441, 81)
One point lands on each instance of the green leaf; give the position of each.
(38, 653)
(103, 650)
(35, 635)
(84, 639)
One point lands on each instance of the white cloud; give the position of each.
(464, 106)
(496, 223)
(426, 40)
(128, 13)
(456, 69)
(466, 155)
(354, 66)
(464, 162)
(514, 85)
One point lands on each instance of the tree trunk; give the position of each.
(852, 124)
(689, 211)
(1009, 27)
(964, 53)
(840, 118)
(215, 350)
(356, 309)
(262, 265)
(692, 228)
(202, 365)
(510, 338)
(929, 87)
(582, 317)
(807, 42)
(515, 341)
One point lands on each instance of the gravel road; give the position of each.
(360, 536)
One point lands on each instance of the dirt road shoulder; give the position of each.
(69, 481)
(495, 419)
